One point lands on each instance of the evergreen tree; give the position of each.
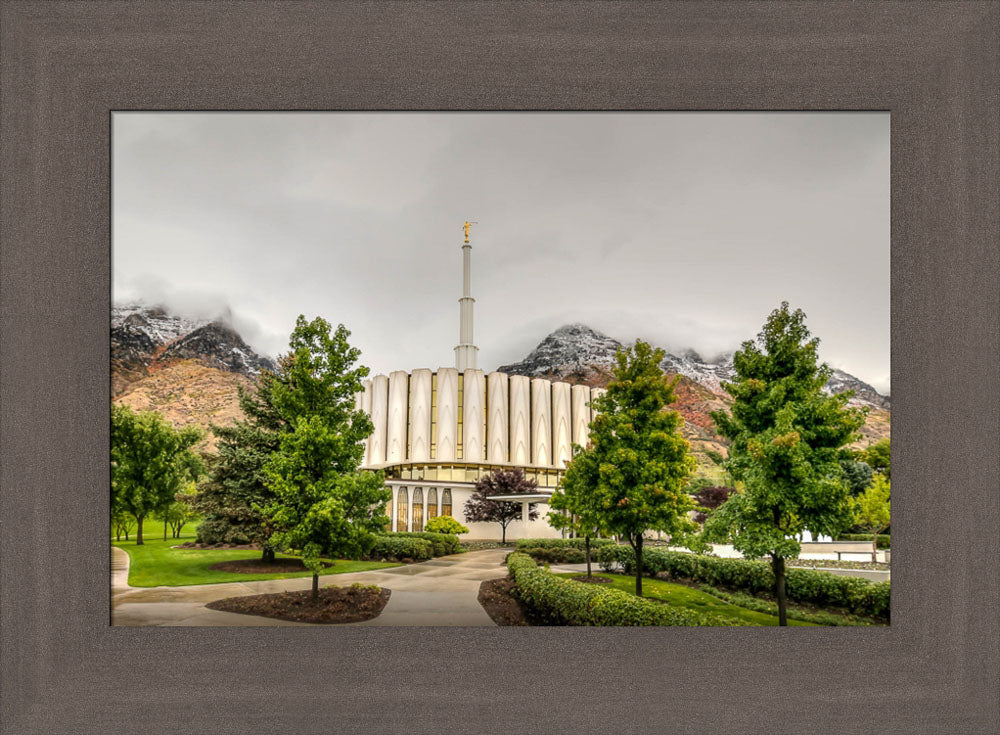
(236, 480)
(322, 503)
(574, 503)
(876, 455)
(150, 462)
(642, 462)
(480, 509)
(787, 441)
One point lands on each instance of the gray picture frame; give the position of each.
(66, 65)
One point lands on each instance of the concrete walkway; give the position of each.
(441, 591)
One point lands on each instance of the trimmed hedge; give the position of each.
(559, 543)
(562, 601)
(443, 543)
(881, 543)
(857, 595)
(398, 548)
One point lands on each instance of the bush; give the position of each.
(881, 543)
(556, 554)
(562, 601)
(445, 524)
(554, 543)
(397, 548)
(857, 595)
(443, 544)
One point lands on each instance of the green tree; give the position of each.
(876, 455)
(642, 461)
(787, 439)
(323, 504)
(857, 475)
(236, 481)
(150, 462)
(871, 510)
(574, 503)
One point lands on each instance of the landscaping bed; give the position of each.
(497, 598)
(352, 604)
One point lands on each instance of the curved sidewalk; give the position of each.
(441, 591)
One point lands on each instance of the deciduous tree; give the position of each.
(642, 461)
(150, 462)
(787, 440)
(480, 509)
(871, 510)
(574, 504)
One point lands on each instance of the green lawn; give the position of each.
(155, 564)
(692, 599)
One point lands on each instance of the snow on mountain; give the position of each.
(578, 353)
(153, 321)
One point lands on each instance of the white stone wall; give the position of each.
(541, 422)
(447, 414)
(473, 418)
(395, 442)
(562, 430)
(420, 415)
(498, 406)
(521, 421)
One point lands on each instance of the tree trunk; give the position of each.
(638, 565)
(778, 565)
(874, 547)
(586, 542)
(503, 535)
(138, 530)
(267, 554)
(164, 527)
(315, 590)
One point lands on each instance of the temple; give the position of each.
(438, 431)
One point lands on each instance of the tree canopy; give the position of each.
(638, 463)
(787, 441)
(871, 510)
(480, 509)
(150, 463)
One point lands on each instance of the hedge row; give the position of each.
(857, 595)
(561, 601)
(443, 543)
(559, 543)
(558, 555)
(396, 548)
(881, 543)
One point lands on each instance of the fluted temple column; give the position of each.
(498, 406)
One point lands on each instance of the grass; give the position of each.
(686, 597)
(155, 564)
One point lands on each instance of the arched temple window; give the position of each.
(446, 502)
(432, 502)
(418, 510)
(401, 509)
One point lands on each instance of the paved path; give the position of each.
(441, 591)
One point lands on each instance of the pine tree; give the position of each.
(642, 461)
(787, 441)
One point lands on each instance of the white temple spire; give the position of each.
(466, 353)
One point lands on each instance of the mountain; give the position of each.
(577, 353)
(187, 370)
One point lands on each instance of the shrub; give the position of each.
(443, 544)
(553, 543)
(857, 595)
(556, 554)
(445, 524)
(397, 548)
(881, 543)
(562, 601)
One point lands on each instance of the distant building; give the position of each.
(437, 432)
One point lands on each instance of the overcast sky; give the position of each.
(685, 229)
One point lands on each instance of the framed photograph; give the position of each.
(537, 221)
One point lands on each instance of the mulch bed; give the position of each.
(497, 598)
(595, 579)
(258, 566)
(196, 545)
(334, 605)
